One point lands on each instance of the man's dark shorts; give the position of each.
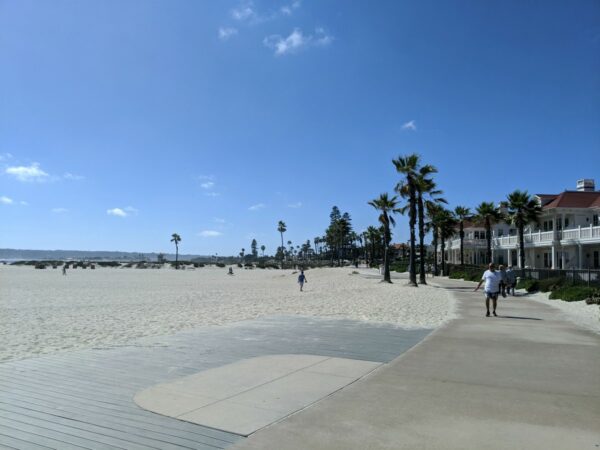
(491, 295)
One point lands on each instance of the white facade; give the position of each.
(567, 237)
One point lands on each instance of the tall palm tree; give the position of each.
(262, 249)
(176, 239)
(462, 213)
(433, 215)
(281, 227)
(488, 214)
(522, 210)
(374, 238)
(408, 167)
(426, 191)
(447, 227)
(242, 255)
(387, 207)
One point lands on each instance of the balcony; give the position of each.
(543, 238)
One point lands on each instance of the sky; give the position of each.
(124, 121)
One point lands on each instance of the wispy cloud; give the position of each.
(226, 32)
(288, 10)
(61, 210)
(5, 156)
(207, 185)
(297, 41)
(295, 205)
(122, 212)
(30, 173)
(6, 200)
(410, 126)
(70, 176)
(257, 207)
(210, 233)
(212, 194)
(219, 220)
(245, 11)
(24, 203)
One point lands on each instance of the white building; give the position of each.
(567, 237)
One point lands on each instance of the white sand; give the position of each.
(42, 311)
(586, 316)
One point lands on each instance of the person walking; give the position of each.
(64, 269)
(302, 279)
(491, 289)
(511, 281)
(504, 281)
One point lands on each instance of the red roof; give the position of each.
(573, 199)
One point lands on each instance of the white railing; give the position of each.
(578, 233)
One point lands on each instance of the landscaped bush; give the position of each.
(399, 267)
(572, 293)
(220, 265)
(551, 284)
(528, 284)
(109, 263)
(594, 298)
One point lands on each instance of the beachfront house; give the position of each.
(567, 236)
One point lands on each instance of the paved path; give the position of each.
(525, 380)
(84, 399)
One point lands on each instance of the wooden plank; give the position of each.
(149, 431)
(11, 442)
(35, 439)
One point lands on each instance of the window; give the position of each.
(547, 225)
(595, 220)
(596, 260)
(547, 260)
(500, 232)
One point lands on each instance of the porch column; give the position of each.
(553, 257)
(508, 258)
(562, 258)
(580, 254)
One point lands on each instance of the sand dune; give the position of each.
(44, 312)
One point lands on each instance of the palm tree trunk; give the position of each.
(421, 241)
(176, 256)
(282, 249)
(488, 237)
(521, 247)
(412, 222)
(435, 248)
(386, 260)
(443, 256)
(462, 238)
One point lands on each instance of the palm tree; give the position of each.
(281, 227)
(461, 214)
(433, 214)
(262, 249)
(176, 239)
(408, 167)
(447, 227)
(387, 206)
(488, 214)
(373, 234)
(242, 255)
(426, 187)
(522, 210)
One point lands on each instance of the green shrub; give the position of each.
(551, 284)
(528, 284)
(220, 265)
(572, 293)
(458, 275)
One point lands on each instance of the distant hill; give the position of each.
(18, 254)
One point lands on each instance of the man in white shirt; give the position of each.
(492, 287)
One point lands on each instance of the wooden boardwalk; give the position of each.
(83, 399)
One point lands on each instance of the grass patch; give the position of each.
(572, 293)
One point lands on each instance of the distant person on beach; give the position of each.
(64, 269)
(230, 271)
(492, 281)
(302, 279)
(504, 282)
(511, 281)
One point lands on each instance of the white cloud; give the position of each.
(210, 233)
(28, 173)
(6, 200)
(122, 212)
(410, 125)
(70, 176)
(116, 212)
(225, 33)
(287, 10)
(5, 156)
(207, 185)
(257, 207)
(295, 205)
(297, 41)
(244, 12)
(219, 220)
(24, 203)
(212, 194)
(60, 210)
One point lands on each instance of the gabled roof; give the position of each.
(573, 199)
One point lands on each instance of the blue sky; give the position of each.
(124, 121)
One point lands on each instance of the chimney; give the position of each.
(586, 185)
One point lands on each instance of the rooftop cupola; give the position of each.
(586, 185)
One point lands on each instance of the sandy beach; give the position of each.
(44, 312)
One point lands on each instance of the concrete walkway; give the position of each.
(527, 379)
